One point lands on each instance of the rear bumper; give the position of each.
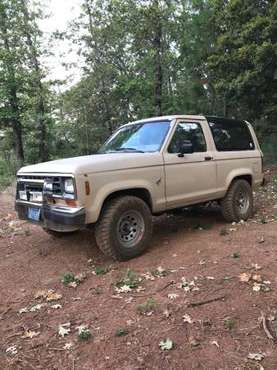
(54, 217)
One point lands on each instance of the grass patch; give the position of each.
(223, 232)
(160, 272)
(69, 278)
(121, 332)
(99, 270)
(130, 279)
(236, 255)
(146, 307)
(84, 334)
(229, 323)
(8, 170)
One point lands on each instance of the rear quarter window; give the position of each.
(231, 135)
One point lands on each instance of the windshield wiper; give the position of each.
(129, 150)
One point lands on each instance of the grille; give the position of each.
(30, 187)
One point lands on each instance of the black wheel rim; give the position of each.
(130, 228)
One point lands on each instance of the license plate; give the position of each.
(34, 214)
(35, 196)
(22, 195)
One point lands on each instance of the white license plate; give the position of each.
(35, 196)
(22, 195)
(34, 214)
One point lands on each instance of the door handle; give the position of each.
(208, 158)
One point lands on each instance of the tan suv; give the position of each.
(145, 168)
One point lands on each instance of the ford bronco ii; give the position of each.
(145, 168)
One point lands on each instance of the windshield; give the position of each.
(137, 138)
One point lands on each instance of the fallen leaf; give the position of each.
(12, 350)
(49, 295)
(256, 266)
(56, 306)
(256, 287)
(140, 289)
(166, 345)
(40, 294)
(166, 313)
(23, 310)
(245, 277)
(123, 289)
(81, 277)
(256, 356)
(73, 284)
(64, 329)
(193, 342)
(172, 296)
(187, 319)
(81, 328)
(257, 278)
(68, 346)
(53, 296)
(29, 334)
(37, 307)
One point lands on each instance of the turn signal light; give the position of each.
(87, 188)
(71, 202)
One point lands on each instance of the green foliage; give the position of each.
(223, 232)
(140, 58)
(236, 255)
(147, 307)
(130, 279)
(99, 270)
(84, 334)
(68, 278)
(7, 172)
(244, 62)
(121, 332)
(229, 323)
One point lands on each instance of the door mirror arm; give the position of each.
(185, 148)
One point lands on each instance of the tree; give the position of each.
(32, 35)
(244, 63)
(12, 73)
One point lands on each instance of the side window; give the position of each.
(188, 131)
(231, 135)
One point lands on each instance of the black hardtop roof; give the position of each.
(228, 121)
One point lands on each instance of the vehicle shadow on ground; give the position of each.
(166, 227)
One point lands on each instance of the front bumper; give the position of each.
(54, 217)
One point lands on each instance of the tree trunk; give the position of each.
(12, 94)
(157, 43)
(40, 104)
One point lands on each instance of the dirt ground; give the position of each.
(204, 295)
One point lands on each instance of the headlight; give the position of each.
(69, 186)
(48, 185)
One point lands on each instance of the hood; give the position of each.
(95, 163)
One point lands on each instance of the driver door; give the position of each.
(190, 178)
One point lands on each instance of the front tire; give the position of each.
(238, 202)
(125, 228)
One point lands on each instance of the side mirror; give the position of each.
(186, 148)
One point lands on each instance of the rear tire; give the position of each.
(124, 229)
(238, 202)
